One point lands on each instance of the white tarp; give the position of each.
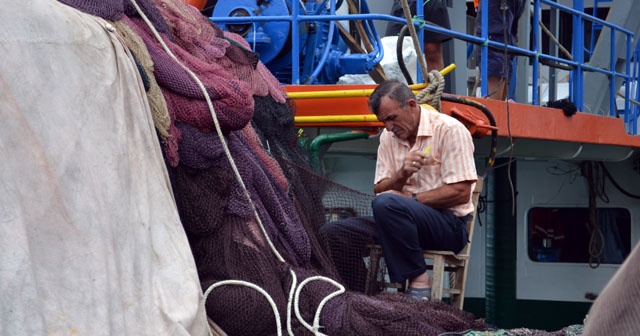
(389, 62)
(90, 239)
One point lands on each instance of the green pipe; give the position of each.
(330, 138)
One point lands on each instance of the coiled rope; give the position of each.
(432, 93)
(292, 298)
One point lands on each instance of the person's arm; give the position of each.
(458, 169)
(446, 196)
(396, 182)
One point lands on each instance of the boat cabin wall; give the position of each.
(554, 195)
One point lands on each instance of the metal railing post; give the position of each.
(535, 90)
(484, 48)
(578, 56)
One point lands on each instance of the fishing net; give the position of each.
(271, 229)
(227, 242)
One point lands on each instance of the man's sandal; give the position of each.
(420, 294)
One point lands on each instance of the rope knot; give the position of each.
(432, 93)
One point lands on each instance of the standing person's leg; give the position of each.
(503, 27)
(497, 87)
(511, 18)
(435, 13)
(433, 55)
(517, 9)
(406, 228)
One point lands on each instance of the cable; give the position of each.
(414, 36)
(505, 71)
(400, 58)
(505, 64)
(615, 184)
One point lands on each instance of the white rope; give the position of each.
(257, 216)
(422, 62)
(316, 319)
(248, 284)
(294, 283)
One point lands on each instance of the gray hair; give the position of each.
(393, 89)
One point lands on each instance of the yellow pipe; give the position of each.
(356, 92)
(336, 118)
(448, 69)
(330, 94)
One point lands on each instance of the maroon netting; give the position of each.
(230, 96)
(207, 42)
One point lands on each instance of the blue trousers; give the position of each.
(497, 66)
(406, 227)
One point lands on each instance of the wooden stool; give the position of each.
(443, 261)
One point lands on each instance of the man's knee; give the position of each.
(381, 202)
(386, 209)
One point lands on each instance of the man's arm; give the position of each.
(458, 169)
(446, 196)
(396, 182)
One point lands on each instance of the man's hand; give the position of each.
(412, 163)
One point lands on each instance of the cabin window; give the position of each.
(565, 235)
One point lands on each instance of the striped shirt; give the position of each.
(449, 160)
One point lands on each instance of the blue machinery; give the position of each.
(314, 53)
(300, 43)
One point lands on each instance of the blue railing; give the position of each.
(576, 85)
(578, 46)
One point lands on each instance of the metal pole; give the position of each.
(553, 51)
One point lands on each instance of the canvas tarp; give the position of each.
(90, 238)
